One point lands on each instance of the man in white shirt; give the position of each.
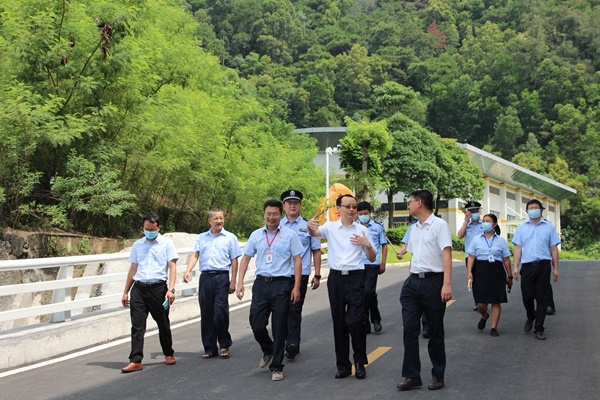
(426, 291)
(345, 285)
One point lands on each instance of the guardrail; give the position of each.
(70, 293)
(73, 294)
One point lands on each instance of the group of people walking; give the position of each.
(285, 250)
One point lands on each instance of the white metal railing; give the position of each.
(64, 302)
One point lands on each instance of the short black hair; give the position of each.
(534, 201)
(425, 196)
(152, 218)
(338, 201)
(364, 205)
(273, 203)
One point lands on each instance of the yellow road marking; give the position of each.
(378, 352)
(374, 355)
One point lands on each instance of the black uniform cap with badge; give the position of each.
(472, 206)
(291, 195)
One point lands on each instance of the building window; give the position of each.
(494, 190)
(524, 199)
(496, 213)
(511, 217)
(551, 208)
(510, 195)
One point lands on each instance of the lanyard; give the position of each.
(272, 240)
(489, 245)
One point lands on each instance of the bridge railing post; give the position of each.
(62, 295)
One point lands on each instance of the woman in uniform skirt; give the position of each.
(489, 272)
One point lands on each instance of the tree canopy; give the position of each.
(182, 105)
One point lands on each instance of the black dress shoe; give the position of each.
(481, 323)
(426, 334)
(342, 374)
(292, 352)
(409, 383)
(377, 326)
(528, 325)
(436, 384)
(361, 372)
(550, 310)
(540, 335)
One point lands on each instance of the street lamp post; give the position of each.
(328, 151)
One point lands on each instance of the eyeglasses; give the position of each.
(349, 207)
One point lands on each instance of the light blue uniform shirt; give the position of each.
(536, 240)
(481, 247)
(309, 243)
(217, 251)
(378, 238)
(284, 247)
(407, 234)
(472, 230)
(152, 258)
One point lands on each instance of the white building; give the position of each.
(508, 187)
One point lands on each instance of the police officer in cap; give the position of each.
(292, 204)
(471, 227)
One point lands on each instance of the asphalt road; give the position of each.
(565, 366)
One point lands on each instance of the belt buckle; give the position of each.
(345, 272)
(421, 275)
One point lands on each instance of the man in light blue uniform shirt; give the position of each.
(375, 268)
(153, 263)
(218, 251)
(471, 228)
(278, 251)
(536, 249)
(292, 204)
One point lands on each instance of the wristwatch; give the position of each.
(318, 277)
(369, 246)
(172, 290)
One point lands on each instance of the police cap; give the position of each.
(291, 195)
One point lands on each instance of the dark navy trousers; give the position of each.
(213, 296)
(422, 296)
(294, 325)
(271, 299)
(346, 300)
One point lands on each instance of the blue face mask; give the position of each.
(475, 217)
(364, 219)
(487, 226)
(534, 213)
(150, 234)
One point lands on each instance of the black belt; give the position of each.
(150, 284)
(346, 272)
(372, 265)
(423, 275)
(272, 278)
(214, 272)
(536, 263)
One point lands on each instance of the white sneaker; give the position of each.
(264, 361)
(277, 376)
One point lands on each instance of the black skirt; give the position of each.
(489, 282)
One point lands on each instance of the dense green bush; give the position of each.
(395, 235)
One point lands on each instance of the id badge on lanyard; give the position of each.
(269, 255)
(491, 258)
